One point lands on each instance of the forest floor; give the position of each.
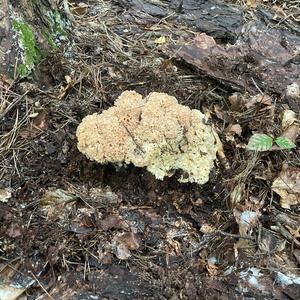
(75, 229)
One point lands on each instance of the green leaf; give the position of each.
(260, 142)
(284, 143)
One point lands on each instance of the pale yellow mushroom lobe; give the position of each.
(153, 132)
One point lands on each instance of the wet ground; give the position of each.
(74, 229)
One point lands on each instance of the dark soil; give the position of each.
(74, 229)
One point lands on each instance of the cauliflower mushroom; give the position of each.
(153, 132)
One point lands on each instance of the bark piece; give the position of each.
(7, 52)
(261, 59)
(216, 18)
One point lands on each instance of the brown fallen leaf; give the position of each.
(292, 95)
(232, 130)
(259, 99)
(288, 119)
(207, 228)
(82, 223)
(240, 102)
(55, 202)
(219, 112)
(269, 242)
(287, 186)
(252, 3)
(112, 221)
(14, 230)
(14, 282)
(65, 89)
(297, 255)
(104, 196)
(151, 215)
(38, 124)
(236, 101)
(247, 220)
(237, 194)
(212, 267)
(290, 125)
(126, 242)
(79, 9)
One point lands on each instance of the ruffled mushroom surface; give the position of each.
(153, 132)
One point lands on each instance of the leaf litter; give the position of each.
(90, 231)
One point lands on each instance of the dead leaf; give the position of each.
(219, 112)
(270, 243)
(151, 215)
(5, 81)
(207, 229)
(82, 223)
(64, 89)
(13, 282)
(287, 186)
(55, 203)
(55, 196)
(252, 3)
(14, 231)
(291, 133)
(240, 102)
(122, 252)
(167, 66)
(246, 220)
(235, 129)
(36, 126)
(174, 247)
(212, 268)
(126, 242)
(27, 87)
(79, 9)
(104, 196)
(290, 126)
(236, 195)
(232, 130)
(297, 255)
(258, 99)
(235, 101)
(288, 119)
(112, 221)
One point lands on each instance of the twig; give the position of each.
(11, 105)
(41, 286)
(235, 235)
(130, 134)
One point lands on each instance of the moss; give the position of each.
(59, 25)
(31, 54)
(55, 33)
(48, 36)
